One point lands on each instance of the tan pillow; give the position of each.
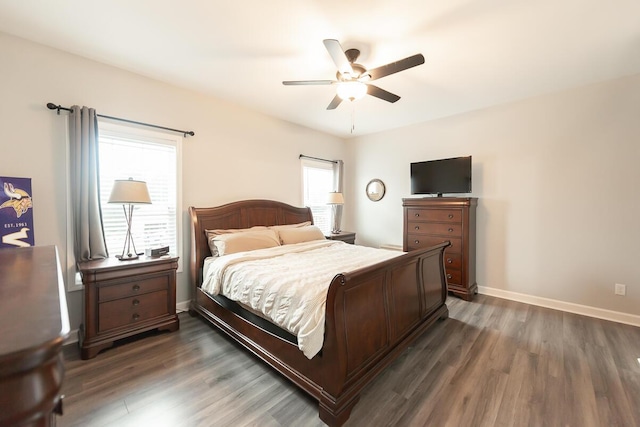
(232, 243)
(300, 234)
(298, 225)
(211, 234)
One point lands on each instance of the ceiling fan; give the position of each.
(353, 79)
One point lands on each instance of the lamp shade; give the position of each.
(335, 198)
(129, 191)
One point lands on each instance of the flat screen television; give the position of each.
(444, 176)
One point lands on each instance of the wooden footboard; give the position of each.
(372, 315)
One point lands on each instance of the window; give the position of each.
(317, 182)
(149, 156)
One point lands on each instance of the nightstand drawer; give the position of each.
(439, 215)
(128, 311)
(444, 229)
(135, 287)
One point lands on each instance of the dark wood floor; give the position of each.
(492, 363)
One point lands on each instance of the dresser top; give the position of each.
(33, 305)
(443, 202)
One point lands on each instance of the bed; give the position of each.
(372, 313)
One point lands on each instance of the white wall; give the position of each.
(236, 153)
(557, 180)
(556, 176)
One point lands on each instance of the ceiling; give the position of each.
(479, 53)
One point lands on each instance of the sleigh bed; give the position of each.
(372, 313)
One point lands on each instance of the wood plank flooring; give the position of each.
(492, 363)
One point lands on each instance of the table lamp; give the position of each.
(335, 200)
(129, 192)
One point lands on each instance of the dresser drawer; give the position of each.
(135, 287)
(450, 229)
(452, 260)
(132, 310)
(454, 276)
(439, 215)
(417, 241)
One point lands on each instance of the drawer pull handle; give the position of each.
(416, 242)
(417, 214)
(417, 227)
(448, 276)
(450, 216)
(449, 261)
(135, 317)
(136, 288)
(451, 230)
(135, 302)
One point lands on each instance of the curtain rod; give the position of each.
(52, 106)
(316, 158)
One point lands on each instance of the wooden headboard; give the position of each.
(242, 214)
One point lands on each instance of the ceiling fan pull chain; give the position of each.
(353, 116)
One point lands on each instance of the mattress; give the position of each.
(288, 284)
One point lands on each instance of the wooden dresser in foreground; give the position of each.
(433, 220)
(125, 298)
(34, 323)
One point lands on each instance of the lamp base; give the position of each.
(128, 257)
(337, 219)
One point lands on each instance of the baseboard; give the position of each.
(181, 307)
(391, 247)
(72, 338)
(599, 313)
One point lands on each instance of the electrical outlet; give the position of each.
(620, 289)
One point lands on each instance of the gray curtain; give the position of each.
(338, 167)
(89, 241)
(338, 173)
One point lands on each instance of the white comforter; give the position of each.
(288, 284)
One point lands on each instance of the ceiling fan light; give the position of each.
(351, 90)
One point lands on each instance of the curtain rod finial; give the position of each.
(52, 106)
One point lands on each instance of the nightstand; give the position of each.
(345, 236)
(125, 298)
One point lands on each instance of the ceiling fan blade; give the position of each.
(307, 82)
(334, 103)
(338, 56)
(395, 67)
(382, 94)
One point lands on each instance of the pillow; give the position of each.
(300, 234)
(281, 227)
(231, 243)
(211, 234)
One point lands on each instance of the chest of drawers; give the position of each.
(125, 298)
(430, 221)
(34, 323)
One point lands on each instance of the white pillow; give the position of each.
(232, 243)
(298, 225)
(300, 234)
(211, 234)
